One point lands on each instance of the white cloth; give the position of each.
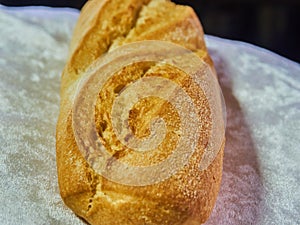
(261, 178)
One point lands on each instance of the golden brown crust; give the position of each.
(102, 26)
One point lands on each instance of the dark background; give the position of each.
(270, 24)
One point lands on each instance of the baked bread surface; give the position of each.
(189, 195)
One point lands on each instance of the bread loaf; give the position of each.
(188, 195)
